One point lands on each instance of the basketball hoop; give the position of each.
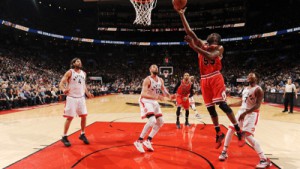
(143, 9)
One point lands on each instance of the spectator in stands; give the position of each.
(5, 103)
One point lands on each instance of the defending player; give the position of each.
(151, 89)
(248, 117)
(183, 89)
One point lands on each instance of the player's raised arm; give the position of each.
(187, 28)
(64, 81)
(209, 55)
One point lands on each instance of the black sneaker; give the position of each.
(219, 139)
(187, 123)
(66, 141)
(178, 124)
(284, 111)
(84, 139)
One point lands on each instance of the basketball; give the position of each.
(179, 4)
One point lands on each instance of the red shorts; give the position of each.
(181, 103)
(213, 89)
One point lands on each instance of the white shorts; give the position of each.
(191, 100)
(75, 106)
(149, 107)
(249, 122)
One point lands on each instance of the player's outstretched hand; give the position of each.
(161, 98)
(172, 97)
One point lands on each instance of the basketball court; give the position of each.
(31, 138)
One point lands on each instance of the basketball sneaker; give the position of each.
(187, 123)
(241, 137)
(84, 139)
(148, 144)
(219, 139)
(139, 146)
(264, 163)
(66, 141)
(223, 156)
(178, 124)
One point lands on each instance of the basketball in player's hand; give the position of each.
(179, 4)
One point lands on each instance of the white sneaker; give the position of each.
(139, 146)
(223, 156)
(197, 116)
(148, 144)
(264, 163)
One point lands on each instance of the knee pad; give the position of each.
(152, 121)
(212, 111)
(223, 106)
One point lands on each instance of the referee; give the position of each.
(289, 92)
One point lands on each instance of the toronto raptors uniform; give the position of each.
(75, 104)
(149, 106)
(251, 119)
(183, 91)
(212, 82)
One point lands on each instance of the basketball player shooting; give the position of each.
(212, 82)
(252, 98)
(73, 85)
(150, 109)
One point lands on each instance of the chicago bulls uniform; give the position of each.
(183, 91)
(212, 82)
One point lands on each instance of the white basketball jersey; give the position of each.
(249, 98)
(155, 87)
(77, 84)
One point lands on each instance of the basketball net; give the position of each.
(166, 74)
(143, 9)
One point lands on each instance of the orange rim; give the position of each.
(142, 1)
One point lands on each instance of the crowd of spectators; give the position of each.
(31, 76)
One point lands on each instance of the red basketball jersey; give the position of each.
(184, 88)
(207, 66)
